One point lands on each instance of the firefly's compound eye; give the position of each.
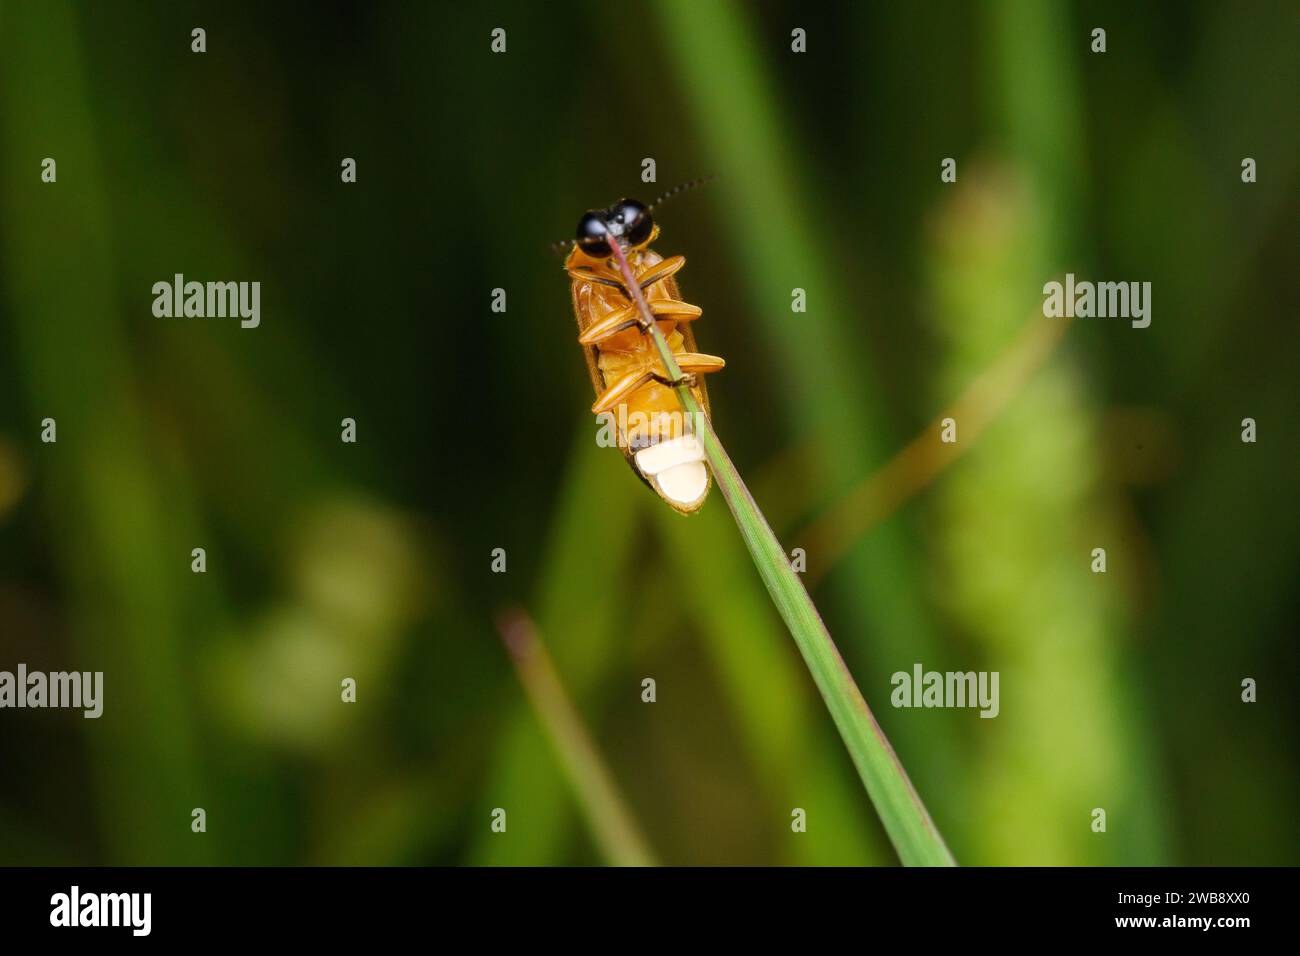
(631, 220)
(593, 235)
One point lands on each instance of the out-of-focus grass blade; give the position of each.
(832, 534)
(1025, 505)
(123, 532)
(1015, 525)
(611, 821)
(579, 602)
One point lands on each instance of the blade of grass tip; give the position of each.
(904, 816)
(611, 821)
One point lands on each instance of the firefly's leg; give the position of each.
(625, 318)
(620, 390)
(660, 270)
(587, 274)
(691, 364)
(671, 308)
(617, 321)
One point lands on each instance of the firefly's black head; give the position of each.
(627, 221)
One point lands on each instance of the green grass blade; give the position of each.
(774, 224)
(781, 730)
(900, 808)
(904, 815)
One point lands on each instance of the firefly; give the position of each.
(632, 386)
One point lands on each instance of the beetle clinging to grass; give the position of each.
(632, 385)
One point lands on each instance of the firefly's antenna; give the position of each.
(684, 187)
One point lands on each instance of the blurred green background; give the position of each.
(372, 560)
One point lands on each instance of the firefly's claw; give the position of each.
(688, 379)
